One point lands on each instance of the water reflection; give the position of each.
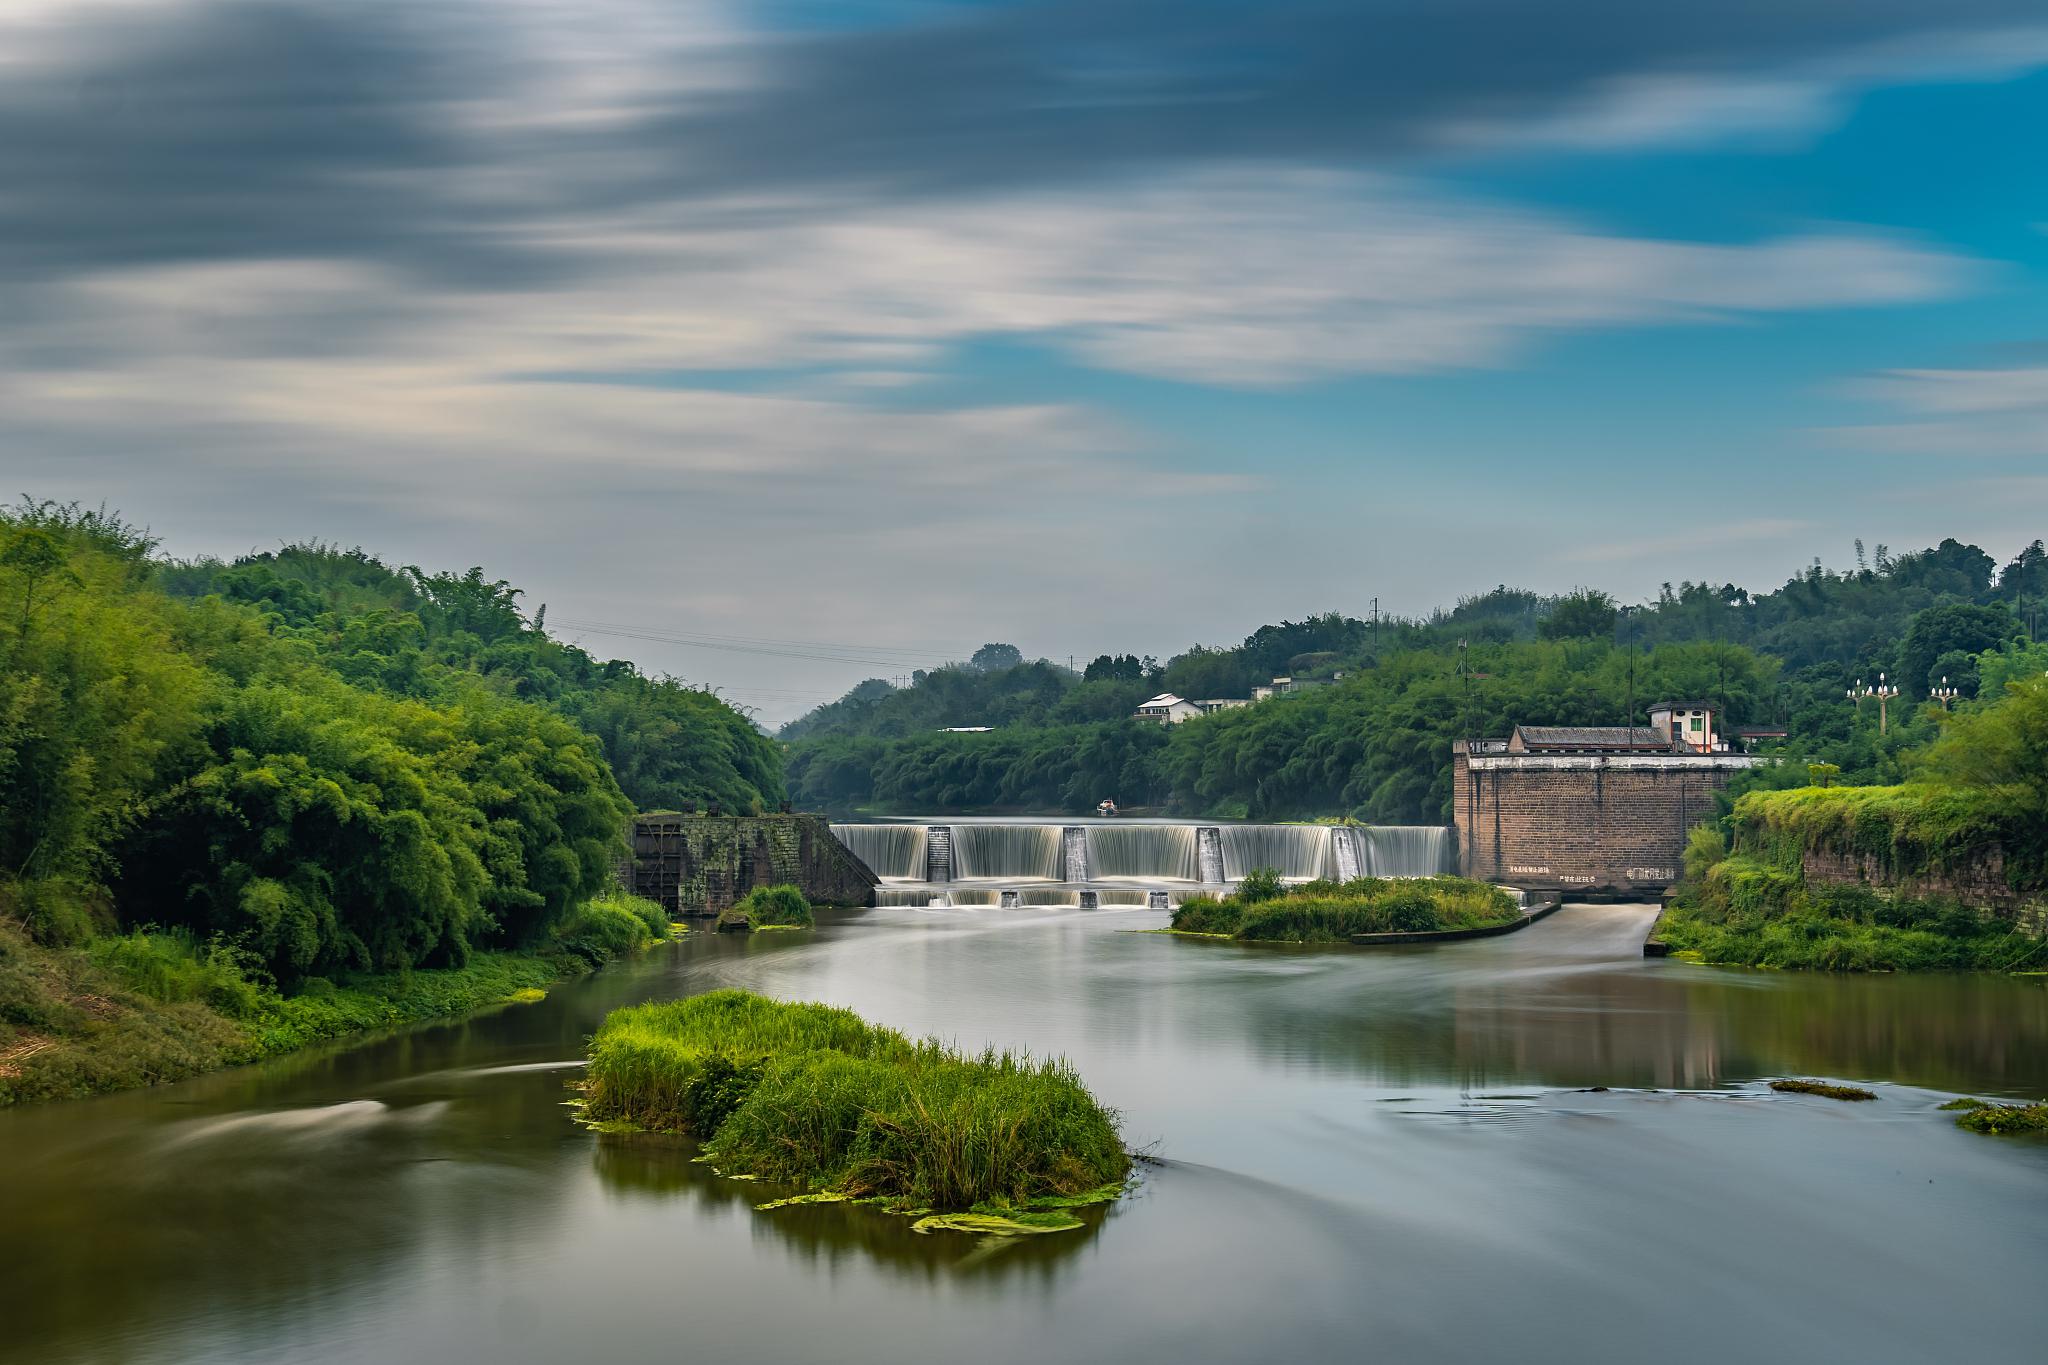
(663, 1170)
(1339, 1168)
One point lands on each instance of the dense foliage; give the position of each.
(1977, 791)
(1260, 909)
(441, 637)
(816, 1097)
(325, 765)
(1375, 742)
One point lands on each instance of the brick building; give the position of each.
(1600, 809)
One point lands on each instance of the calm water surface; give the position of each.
(1392, 1154)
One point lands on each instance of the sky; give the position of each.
(778, 345)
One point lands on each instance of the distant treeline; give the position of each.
(327, 764)
(1375, 743)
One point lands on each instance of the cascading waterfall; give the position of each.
(1165, 852)
(1405, 850)
(1297, 852)
(1025, 852)
(1345, 851)
(1073, 854)
(1004, 859)
(895, 852)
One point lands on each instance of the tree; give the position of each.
(1936, 631)
(993, 658)
(1586, 613)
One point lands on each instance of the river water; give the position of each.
(1359, 1155)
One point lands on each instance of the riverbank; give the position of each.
(1747, 913)
(146, 1008)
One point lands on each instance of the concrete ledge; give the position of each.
(1453, 935)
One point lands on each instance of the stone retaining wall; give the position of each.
(1978, 880)
(697, 865)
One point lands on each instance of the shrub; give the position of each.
(1705, 846)
(610, 926)
(1259, 884)
(768, 905)
(1205, 914)
(169, 966)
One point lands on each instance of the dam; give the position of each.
(1002, 862)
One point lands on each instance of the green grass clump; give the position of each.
(767, 907)
(609, 926)
(1823, 1089)
(2000, 1120)
(814, 1096)
(1331, 912)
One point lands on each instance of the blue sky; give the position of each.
(888, 328)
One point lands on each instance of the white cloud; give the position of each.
(1788, 106)
(1989, 412)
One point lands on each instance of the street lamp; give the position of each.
(1943, 694)
(1882, 690)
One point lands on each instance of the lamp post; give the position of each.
(1943, 694)
(1882, 690)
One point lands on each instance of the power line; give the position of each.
(838, 654)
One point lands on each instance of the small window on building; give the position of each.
(1693, 724)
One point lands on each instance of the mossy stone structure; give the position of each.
(697, 865)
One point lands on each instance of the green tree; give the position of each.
(1585, 613)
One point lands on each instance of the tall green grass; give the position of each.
(158, 1005)
(1331, 912)
(769, 907)
(815, 1096)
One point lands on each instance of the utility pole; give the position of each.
(1375, 627)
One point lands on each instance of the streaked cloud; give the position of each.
(1982, 412)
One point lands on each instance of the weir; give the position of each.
(1008, 851)
(938, 854)
(1074, 850)
(999, 862)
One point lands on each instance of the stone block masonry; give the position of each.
(1583, 824)
(697, 865)
(1977, 880)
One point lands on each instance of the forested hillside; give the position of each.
(1375, 742)
(329, 765)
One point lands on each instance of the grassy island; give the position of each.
(816, 1097)
(1261, 909)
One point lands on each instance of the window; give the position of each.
(1693, 724)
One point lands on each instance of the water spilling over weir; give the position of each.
(1026, 863)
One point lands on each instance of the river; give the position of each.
(1387, 1154)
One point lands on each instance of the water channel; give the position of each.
(1360, 1154)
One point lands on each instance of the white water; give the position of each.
(894, 852)
(1165, 852)
(1138, 851)
(1017, 852)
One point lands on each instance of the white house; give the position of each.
(1168, 709)
(1688, 723)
